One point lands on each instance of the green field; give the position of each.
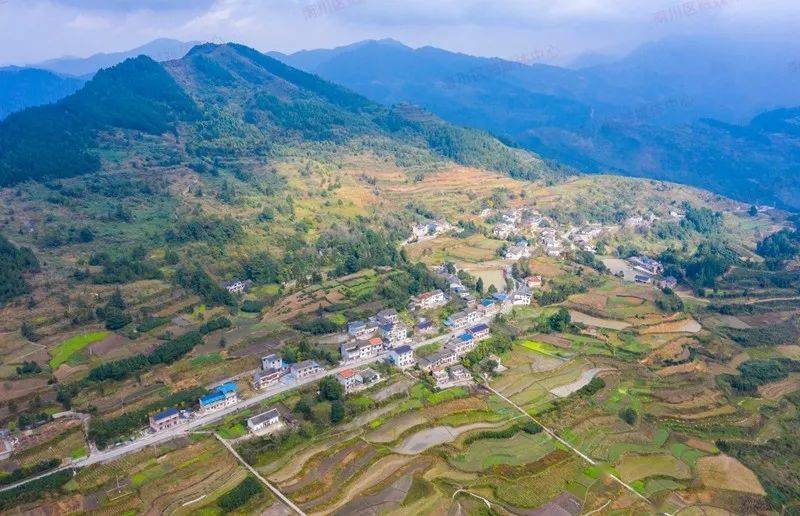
(69, 347)
(543, 348)
(518, 450)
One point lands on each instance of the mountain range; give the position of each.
(225, 102)
(714, 114)
(649, 114)
(54, 79)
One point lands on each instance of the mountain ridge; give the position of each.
(265, 101)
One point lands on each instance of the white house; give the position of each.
(668, 282)
(350, 379)
(521, 297)
(222, 396)
(165, 419)
(441, 378)
(647, 265)
(402, 357)
(462, 344)
(479, 332)
(304, 369)
(516, 252)
(437, 360)
(459, 373)
(266, 421)
(394, 332)
(362, 349)
(264, 378)
(534, 281)
(272, 361)
(388, 316)
(432, 299)
(237, 287)
(463, 319)
(360, 329)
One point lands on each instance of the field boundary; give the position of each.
(576, 451)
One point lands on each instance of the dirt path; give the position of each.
(570, 447)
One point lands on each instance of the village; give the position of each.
(382, 338)
(388, 338)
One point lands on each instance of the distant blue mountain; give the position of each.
(159, 50)
(678, 110)
(27, 87)
(49, 81)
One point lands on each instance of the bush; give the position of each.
(337, 411)
(217, 323)
(253, 306)
(592, 387)
(628, 415)
(151, 323)
(240, 495)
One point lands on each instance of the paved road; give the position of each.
(116, 452)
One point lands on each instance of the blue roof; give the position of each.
(402, 349)
(165, 414)
(478, 328)
(465, 337)
(356, 324)
(214, 397)
(487, 302)
(227, 387)
(500, 296)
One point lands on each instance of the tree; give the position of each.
(492, 289)
(330, 389)
(304, 407)
(28, 332)
(337, 411)
(753, 211)
(116, 318)
(479, 285)
(628, 415)
(560, 320)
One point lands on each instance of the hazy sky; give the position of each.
(555, 30)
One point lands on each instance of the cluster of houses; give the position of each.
(429, 230)
(454, 349)
(451, 376)
(521, 249)
(370, 339)
(647, 269)
(220, 397)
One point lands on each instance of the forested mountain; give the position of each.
(224, 100)
(619, 117)
(26, 87)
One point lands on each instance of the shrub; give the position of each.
(240, 495)
(628, 415)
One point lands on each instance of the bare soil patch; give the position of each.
(777, 390)
(724, 472)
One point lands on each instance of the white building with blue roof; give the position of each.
(220, 397)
